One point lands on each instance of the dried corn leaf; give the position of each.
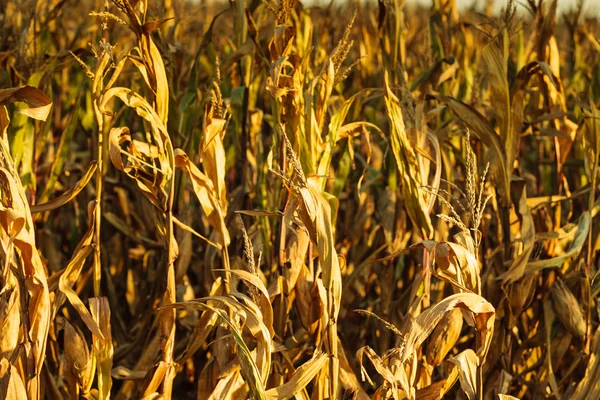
(589, 386)
(519, 264)
(495, 60)
(213, 153)
(15, 213)
(227, 386)
(295, 253)
(250, 370)
(406, 161)
(337, 131)
(590, 134)
(206, 194)
(380, 366)
(300, 378)
(452, 262)
(146, 111)
(103, 345)
(264, 304)
(437, 390)
(10, 320)
(71, 275)
(315, 213)
(253, 319)
(444, 337)
(159, 74)
(348, 378)
(152, 59)
(205, 325)
(422, 326)
(517, 96)
(481, 127)
(467, 363)
(11, 384)
(69, 194)
(581, 236)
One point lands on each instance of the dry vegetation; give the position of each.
(262, 200)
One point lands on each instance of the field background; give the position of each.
(273, 200)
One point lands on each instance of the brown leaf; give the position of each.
(38, 102)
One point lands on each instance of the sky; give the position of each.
(562, 4)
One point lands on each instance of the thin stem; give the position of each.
(169, 297)
(590, 247)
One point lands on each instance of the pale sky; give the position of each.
(562, 4)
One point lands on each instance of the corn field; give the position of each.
(275, 199)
